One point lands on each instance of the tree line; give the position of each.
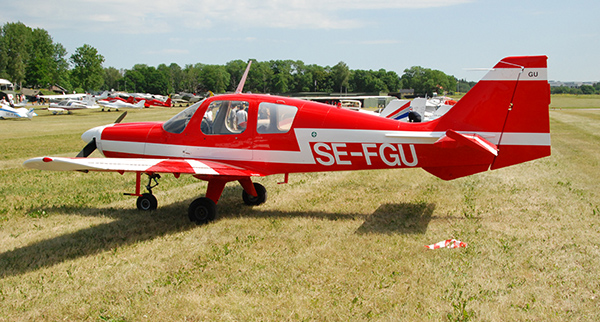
(580, 90)
(30, 58)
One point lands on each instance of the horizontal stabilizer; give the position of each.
(453, 139)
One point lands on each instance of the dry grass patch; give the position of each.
(326, 246)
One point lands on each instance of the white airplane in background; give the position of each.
(418, 110)
(8, 112)
(120, 104)
(73, 104)
(62, 96)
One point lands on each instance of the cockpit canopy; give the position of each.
(231, 117)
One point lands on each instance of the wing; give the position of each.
(121, 165)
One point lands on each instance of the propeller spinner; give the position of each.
(90, 137)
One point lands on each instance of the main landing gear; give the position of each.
(204, 209)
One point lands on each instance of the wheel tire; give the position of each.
(202, 211)
(147, 202)
(261, 197)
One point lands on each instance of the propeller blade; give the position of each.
(121, 117)
(88, 149)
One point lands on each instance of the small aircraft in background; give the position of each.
(133, 99)
(503, 120)
(149, 101)
(8, 112)
(68, 105)
(418, 109)
(117, 104)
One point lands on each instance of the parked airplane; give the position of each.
(502, 121)
(62, 96)
(150, 101)
(419, 109)
(73, 104)
(117, 104)
(7, 112)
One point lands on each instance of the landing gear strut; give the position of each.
(261, 195)
(146, 201)
(202, 210)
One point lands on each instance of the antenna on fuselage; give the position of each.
(240, 87)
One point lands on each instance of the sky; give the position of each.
(454, 36)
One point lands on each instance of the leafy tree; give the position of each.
(587, 89)
(390, 79)
(15, 37)
(215, 78)
(147, 79)
(426, 81)
(173, 76)
(370, 81)
(259, 78)
(41, 64)
(340, 73)
(464, 85)
(87, 71)
(112, 78)
(190, 79)
(302, 77)
(60, 74)
(236, 69)
(322, 80)
(281, 82)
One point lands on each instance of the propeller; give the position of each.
(88, 149)
(120, 118)
(91, 146)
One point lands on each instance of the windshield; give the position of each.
(178, 122)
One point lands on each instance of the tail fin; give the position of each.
(504, 118)
(396, 109)
(511, 105)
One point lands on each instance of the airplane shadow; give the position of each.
(132, 226)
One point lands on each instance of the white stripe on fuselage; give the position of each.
(305, 137)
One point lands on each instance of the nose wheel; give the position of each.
(147, 202)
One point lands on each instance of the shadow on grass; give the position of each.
(132, 226)
(403, 218)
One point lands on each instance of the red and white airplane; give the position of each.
(502, 121)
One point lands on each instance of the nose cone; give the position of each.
(96, 132)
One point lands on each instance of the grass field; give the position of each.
(575, 101)
(326, 246)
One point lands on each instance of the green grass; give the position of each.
(566, 101)
(326, 246)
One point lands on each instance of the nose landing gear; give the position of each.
(146, 201)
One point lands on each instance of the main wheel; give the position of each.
(202, 211)
(147, 202)
(261, 197)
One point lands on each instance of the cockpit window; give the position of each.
(178, 122)
(275, 118)
(225, 117)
